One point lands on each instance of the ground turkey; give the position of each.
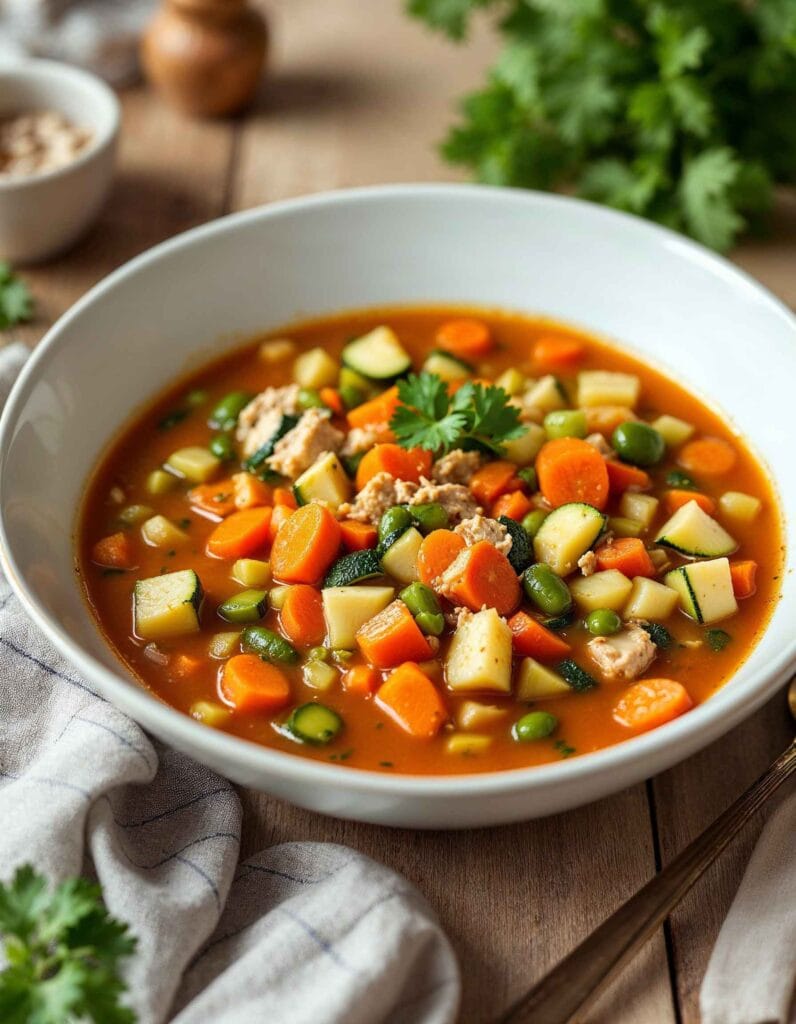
(457, 467)
(312, 436)
(482, 528)
(260, 419)
(359, 439)
(588, 563)
(381, 492)
(456, 499)
(624, 656)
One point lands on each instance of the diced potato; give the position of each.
(660, 559)
(348, 608)
(537, 682)
(608, 589)
(277, 597)
(135, 514)
(208, 712)
(319, 675)
(325, 481)
(546, 394)
(649, 600)
(160, 482)
(744, 508)
(251, 572)
(473, 716)
(604, 387)
(641, 507)
(168, 605)
(467, 743)
(160, 532)
(512, 381)
(400, 560)
(479, 656)
(674, 431)
(193, 463)
(621, 526)
(315, 369)
(276, 349)
(223, 645)
(524, 449)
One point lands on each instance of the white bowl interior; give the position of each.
(664, 298)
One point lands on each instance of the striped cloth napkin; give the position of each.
(302, 933)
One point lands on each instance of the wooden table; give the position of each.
(358, 97)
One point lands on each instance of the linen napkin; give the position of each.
(302, 933)
(751, 976)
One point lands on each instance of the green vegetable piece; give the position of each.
(603, 622)
(532, 522)
(196, 398)
(225, 415)
(268, 645)
(351, 396)
(247, 606)
(680, 480)
(171, 419)
(395, 520)
(547, 591)
(521, 554)
(16, 303)
(565, 423)
(222, 447)
(420, 598)
(430, 624)
(528, 474)
(659, 635)
(717, 639)
(308, 398)
(258, 458)
(432, 516)
(556, 622)
(536, 725)
(354, 568)
(578, 678)
(351, 463)
(318, 654)
(638, 443)
(314, 723)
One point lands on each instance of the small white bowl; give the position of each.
(43, 214)
(679, 306)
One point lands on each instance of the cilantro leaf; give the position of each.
(16, 304)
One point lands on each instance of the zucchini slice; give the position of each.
(353, 568)
(446, 366)
(348, 608)
(314, 723)
(705, 589)
(521, 554)
(377, 355)
(578, 679)
(256, 460)
(247, 606)
(268, 645)
(325, 481)
(400, 559)
(567, 533)
(694, 533)
(168, 605)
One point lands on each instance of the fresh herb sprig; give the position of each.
(16, 303)
(63, 950)
(476, 416)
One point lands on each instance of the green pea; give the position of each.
(318, 654)
(222, 447)
(351, 396)
(565, 423)
(225, 415)
(308, 398)
(533, 521)
(430, 517)
(431, 624)
(603, 622)
(394, 520)
(638, 443)
(536, 725)
(528, 474)
(547, 591)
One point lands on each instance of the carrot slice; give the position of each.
(531, 639)
(301, 616)
(466, 337)
(650, 703)
(627, 555)
(306, 544)
(250, 491)
(484, 578)
(621, 477)
(514, 505)
(492, 480)
(280, 516)
(218, 498)
(361, 680)
(744, 576)
(358, 536)
(331, 398)
(401, 463)
(413, 701)
(377, 410)
(252, 685)
(114, 552)
(391, 637)
(557, 354)
(437, 552)
(675, 499)
(569, 469)
(284, 496)
(240, 534)
(709, 456)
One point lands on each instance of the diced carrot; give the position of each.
(604, 419)
(391, 637)
(557, 354)
(492, 480)
(675, 499)
(284, 496)
(331, 398)
(253, 685)
(401, 463)
(306, 545)
(361, 680)
(358, 536)
(413, 701)
(437, 552)
(743, 578)
(569, 469)
(514, 505)
(218, 498)
(186, 665)
(627, 555)
(250, 491)
(240, 534)
(709, 456)
(280, 516)
(621, 477)
(377, 410)
(114, 552)
(301, 616)
(532, 640)
(650, 703)
(466, 337)
(485, 578)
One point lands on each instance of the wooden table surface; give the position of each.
(360, 97)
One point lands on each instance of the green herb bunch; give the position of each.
(683, 111)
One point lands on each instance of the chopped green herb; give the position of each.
(171, 553)
(221, 497)
(113, 572)
(563, 748)
(185, 523)
(16, 304)
(717, 639)
(172, 418)
(196, 398)
(386, 764)
(682, 481)
(659, 634)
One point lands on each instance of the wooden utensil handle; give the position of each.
(581, 975)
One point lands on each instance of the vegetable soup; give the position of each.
(430, 541)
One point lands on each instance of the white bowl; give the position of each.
(197, 295)
(45, 213)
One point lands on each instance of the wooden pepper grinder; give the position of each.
(206, 56)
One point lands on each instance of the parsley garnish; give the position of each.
(563, 748)
(477, 416)
(16, 304)
(171, 419)
(717, 639)
(62, 949)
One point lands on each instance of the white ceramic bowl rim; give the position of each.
(712, 718)
(52, 70)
